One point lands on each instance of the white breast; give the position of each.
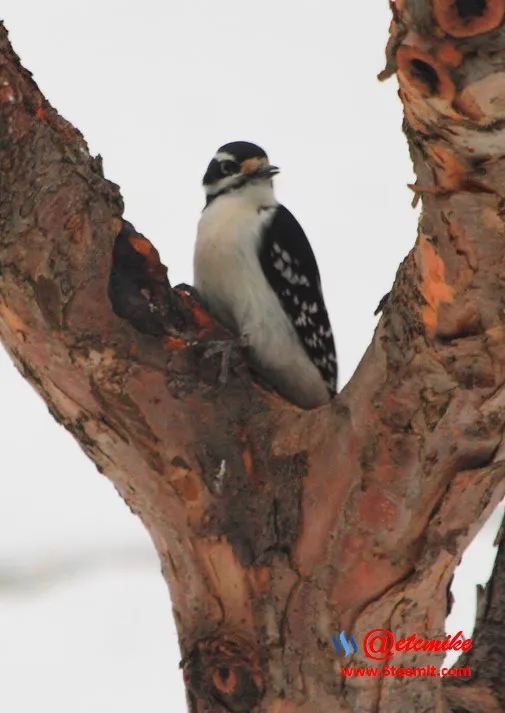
(226, 266)
(228, 275)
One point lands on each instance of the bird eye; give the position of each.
(229, 167)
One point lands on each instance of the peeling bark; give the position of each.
(278, 527)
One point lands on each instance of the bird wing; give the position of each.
(290, 267)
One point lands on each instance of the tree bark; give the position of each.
(485, 691)
(278, 527)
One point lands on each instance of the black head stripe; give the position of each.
(213, 173)
(238, 182)
(242, 150)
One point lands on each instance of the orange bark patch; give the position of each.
(356, 572)
(145, 248)
(247, 460)
(155, 269)
(186, 488)
(449, 54)
(376, 510)
(449, 170)
(495, 334)
(75, 224)
(224, 679)
(201, 317)
(175, 344)
(259, 578)
(467, 18)
(185, 485)
(433, 286)
(12, 320)
(361, 572)
(247, 456)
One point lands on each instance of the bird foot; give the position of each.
(225, 348)
(189, 289)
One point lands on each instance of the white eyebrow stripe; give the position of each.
(224, 156)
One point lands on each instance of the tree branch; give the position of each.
(485, 692)
(275, 526)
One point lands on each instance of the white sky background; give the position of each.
(156, 87)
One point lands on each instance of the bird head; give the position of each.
(235, 165)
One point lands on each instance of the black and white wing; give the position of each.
(290, 267)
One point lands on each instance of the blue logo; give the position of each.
(344, 643)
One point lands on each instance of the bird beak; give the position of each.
(268, 171)
(257, 168)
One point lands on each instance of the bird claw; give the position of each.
(190, 290)
(225, 348)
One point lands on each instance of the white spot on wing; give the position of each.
(288, 274)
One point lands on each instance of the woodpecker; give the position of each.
(255, 269)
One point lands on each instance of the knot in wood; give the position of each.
(226, 670)
(139, 289)
(422, 74)
(468, 18)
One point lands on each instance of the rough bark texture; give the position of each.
(277, 527)
(485, 692)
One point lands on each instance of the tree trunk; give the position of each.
(276, 527)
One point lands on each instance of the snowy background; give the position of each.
(85, 618)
